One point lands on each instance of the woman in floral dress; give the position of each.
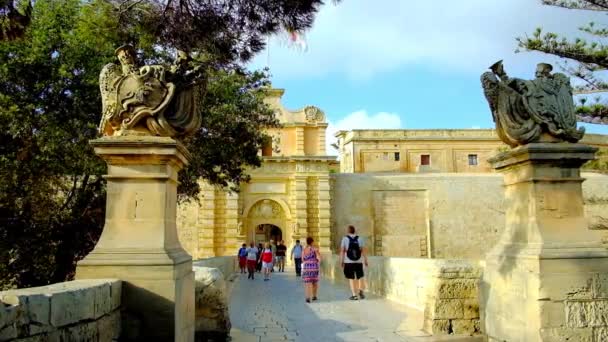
(310, 270)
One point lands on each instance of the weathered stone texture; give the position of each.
(582, 314)
(565, 334)
(211, 303)
(81, 310)
(600, 334)
(446, 309)
(469, 235)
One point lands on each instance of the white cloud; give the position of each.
(360, 120)
(363, 38)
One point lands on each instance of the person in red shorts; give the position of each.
(242, 257)
(252, 259)
(267, 261)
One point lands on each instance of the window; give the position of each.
(396, 156)
(473, 159)
(267, 147)
(425, 159)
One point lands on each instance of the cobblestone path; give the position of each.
(275, 310)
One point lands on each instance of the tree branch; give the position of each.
(588, 5)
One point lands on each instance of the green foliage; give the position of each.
(600, 164)
(52, 194)
(51, 191)
(584, 58)
(15, 16)
(228, 31)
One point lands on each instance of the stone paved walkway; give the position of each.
(276, 311)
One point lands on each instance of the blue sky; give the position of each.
(411, 64)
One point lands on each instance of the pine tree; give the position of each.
(584, 58)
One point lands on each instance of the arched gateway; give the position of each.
(287, 196)
(267, 219)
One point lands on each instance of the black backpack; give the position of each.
(354, 250)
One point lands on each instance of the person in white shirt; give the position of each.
(353, 256)
(296, 256)
(252, 259)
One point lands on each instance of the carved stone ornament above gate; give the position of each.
(266, 209)
(527, 111)
(150, 99)
(314, 114)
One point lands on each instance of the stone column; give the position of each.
(324, 215)
(299, 141)
(312, 208)
(206, 234)
(139, 243)
(322, 139)
(299, 204)
(547, 278)
(233, 240)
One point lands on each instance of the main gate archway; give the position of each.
(262, 216)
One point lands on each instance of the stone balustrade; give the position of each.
(446, 290)
(80, 310)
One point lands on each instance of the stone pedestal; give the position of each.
(139, 243)
(547, 279)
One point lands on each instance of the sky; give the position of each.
(389, 64)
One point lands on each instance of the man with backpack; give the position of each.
(352, 257)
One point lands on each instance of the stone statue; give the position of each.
(295, 228)
(150, 99)
(239, 229)
(526, 111)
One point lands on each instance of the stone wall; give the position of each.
(447, 150)
(441, 215)
(80, 310)
(446, 290)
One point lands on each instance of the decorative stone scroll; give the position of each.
(150, 99)
(266, 209)
(314, 114)
(527, 111)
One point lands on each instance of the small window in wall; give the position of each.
(267, 148)
(473, 159)
(425, 159)
(397, 156)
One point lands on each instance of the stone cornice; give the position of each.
(285, 159)
(441, 135)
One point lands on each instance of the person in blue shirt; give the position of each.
(296, 256)
(242, 256)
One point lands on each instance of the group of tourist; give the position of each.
(307, 260)
(264, 258)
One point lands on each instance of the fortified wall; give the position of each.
(436, 215)
(430, 209)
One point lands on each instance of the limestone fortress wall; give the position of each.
(436, 215)
(411, 193)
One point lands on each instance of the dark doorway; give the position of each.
(276, 234)
(266, 232)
